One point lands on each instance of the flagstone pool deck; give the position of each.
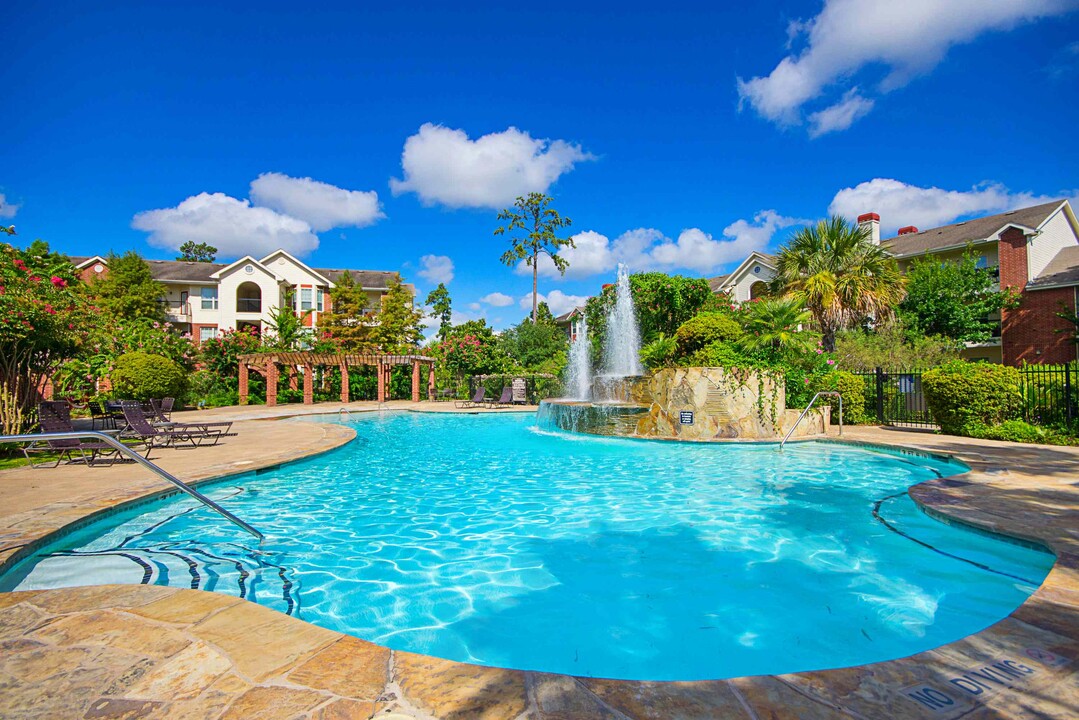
(155, 652)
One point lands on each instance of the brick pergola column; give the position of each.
(415, 381)
(381, 372)
(344, 382)
(271, 383)
(308, 385)
(243, 383)
(431, 381)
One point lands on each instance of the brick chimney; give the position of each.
(871, 221)
(908, 230)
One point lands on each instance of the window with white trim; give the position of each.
(209, 298)
(305, 299)
(318, 295)
(207, 333)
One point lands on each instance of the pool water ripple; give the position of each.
(482, 539)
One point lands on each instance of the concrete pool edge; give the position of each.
(919, 686)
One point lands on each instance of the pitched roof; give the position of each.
(960, 233)
(363, 278)
(717, 282)
(201, 272)
(1063, 269)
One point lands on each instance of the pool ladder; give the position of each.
(125, 450)
(810, 407)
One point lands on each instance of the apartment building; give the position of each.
(207, 298)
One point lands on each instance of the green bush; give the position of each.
(141, 376)
(851, 388)
(659, 353)
(705, 329)
(1014, 431)
(965, 397)
(721, 354)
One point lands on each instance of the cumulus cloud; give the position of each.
(7, 210)
(900, 204)
(320, 205)
(233, 226)
(644, 249)
(436, 269)
(907, 39)
(442, 165)
(839, 116)
(558, 301)
(497, 299)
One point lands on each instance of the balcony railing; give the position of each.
(177, 309)
(249, 305)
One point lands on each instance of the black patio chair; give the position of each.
(139, 427)
(504, 400)
(478, 399)
(55, 417)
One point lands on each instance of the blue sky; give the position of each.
(677, 139)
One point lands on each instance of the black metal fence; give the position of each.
(537, 387)
(1050, 396)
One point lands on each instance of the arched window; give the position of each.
(249, 298)
(758, 289)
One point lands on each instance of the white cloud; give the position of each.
(7, 210)
(444, 166)
(475, 307)
(320, 205)
(558, 301)
(839, 116)
(233, 226)
(436, 269)
(645, 249)
(497, 299)
(907, 38)
(900, 204)
(697, 250)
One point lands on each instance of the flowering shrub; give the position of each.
(142, 376)
(42, 322)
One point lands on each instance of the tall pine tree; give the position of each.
(349, 323)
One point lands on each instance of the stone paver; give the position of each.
(150, 652)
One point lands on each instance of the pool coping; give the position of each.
(1046, 622)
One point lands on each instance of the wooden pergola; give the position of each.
(268, 364)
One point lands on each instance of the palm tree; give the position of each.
(777, 324)
(840, 275)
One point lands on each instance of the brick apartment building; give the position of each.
(1034, 250)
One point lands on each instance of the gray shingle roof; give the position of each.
(200, 272)
(717, 282)
(961, 233)
(1063, 269)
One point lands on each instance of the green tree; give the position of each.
(128, 290)
(348, 324)
(536, 345)
(287, 328)
(191, 251)
(533, 228)
(777, 325)
(400, 322)
(439, 301)
(841, 276)
(953, 299)
(894, 346)
(43, 322)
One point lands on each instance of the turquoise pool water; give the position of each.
(482, 539)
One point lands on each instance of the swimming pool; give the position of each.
(481, 539)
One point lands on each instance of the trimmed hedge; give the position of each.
(142, 376)
(705, 329)
(966, 398)
(851, 388)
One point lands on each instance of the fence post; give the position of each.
(1069, 406)
(880, 396)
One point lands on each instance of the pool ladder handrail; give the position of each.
(810, 407)
(156, 469)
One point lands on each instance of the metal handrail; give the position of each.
(810, 407)
(164, 474)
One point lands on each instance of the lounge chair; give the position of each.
(140, 427)
(160, 414)
(55, 416)
(477, 400)
(162, 408)
(505, 400)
